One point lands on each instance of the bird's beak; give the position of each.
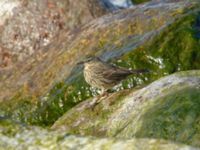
(80, 63)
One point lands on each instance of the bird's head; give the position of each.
(89, 60)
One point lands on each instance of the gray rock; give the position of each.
(27, 27)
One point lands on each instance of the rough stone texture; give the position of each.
(16, 137)
(28, 26)
(153, 93)
(129, 114)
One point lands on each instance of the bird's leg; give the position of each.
(104, 92)
(98, 99)
(94, 102)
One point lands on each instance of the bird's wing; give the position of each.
(116, 73)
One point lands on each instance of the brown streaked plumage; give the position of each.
(104, 76)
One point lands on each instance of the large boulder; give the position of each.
(166, 109)
(26, 27)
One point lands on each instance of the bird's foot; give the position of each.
(104, 94)
(93, 103)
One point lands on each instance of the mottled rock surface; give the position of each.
(27, 27)
(16, 137)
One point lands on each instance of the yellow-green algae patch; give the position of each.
(139, 1)
(166, 109)
(173, 117)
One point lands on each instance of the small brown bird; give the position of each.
(104, 76)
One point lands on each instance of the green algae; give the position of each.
(61, 98)
(85, 120)
(9, 127)
(47, 110)
(139, 1)
(173, 117)
(19, 109)
(175, 49)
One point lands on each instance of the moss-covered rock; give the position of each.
(27, 137)
(175, 117)
(177, 48)
(86, 120)
(166, 109)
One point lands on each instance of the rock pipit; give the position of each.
(104, 76)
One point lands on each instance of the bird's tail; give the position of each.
(139, 71)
